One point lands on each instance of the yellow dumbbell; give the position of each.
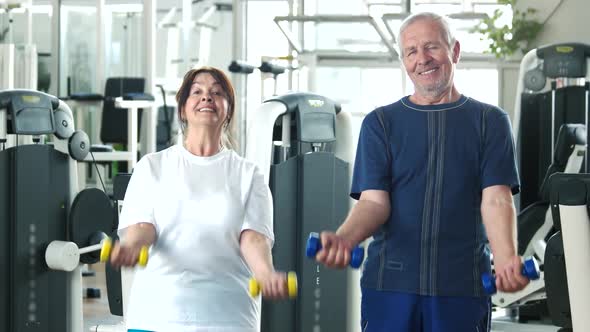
(105, 251)
(255, 287)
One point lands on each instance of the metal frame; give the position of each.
(334, 19)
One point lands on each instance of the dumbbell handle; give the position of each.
(255, 287)
(106, 248)
(92, 248)
(530, 269)
(314, 245)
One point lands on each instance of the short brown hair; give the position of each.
(184, 92)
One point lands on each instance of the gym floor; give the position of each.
(96, 311)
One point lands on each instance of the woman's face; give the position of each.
(207, 103)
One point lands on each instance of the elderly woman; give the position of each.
(207, 215)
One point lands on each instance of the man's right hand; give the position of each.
(335, 252)
(509, 278)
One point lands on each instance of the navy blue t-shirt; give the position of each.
(441, 158)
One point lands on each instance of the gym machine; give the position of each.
(40, 204)
(550, 121)
(535, 224)
(568, 253)
(302, 143)
(552, 90)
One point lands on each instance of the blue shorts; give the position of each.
(383, 311)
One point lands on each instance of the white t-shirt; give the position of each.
(196, 278)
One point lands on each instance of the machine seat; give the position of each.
(101, 148)
(86, 97)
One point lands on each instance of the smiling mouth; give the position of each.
(206, 110)
(428, 72)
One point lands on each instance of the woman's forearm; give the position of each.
(140, 234)
(256, 249)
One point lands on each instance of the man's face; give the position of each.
(428, 59)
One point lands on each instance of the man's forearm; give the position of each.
(364, 219)
(499, 219)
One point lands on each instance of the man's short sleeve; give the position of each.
(372, 169)
(138, 205)
(498, 165)
(259, 211)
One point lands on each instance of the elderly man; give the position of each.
(434, 177)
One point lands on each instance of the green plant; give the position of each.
(505, 40)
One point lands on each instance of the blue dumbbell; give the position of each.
(530, 269)
(357, 255)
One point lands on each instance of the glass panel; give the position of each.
(78, 49)
(486, 89)
(359, 89)
(13, 25)
(427, 2)
(378, 10)
(470, 41)
(443, 8)
(273, 45)
(489, 9)
(352, 37)
(260, 23)
(342, 33)
(333, 7)
(125, 37)
(169, 56)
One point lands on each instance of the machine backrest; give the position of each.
(570, 136)
(114, 120)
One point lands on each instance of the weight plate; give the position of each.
(534, 80)
(64, 126)
(92, 213)
(79, 145)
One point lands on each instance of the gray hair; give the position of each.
(443, 22)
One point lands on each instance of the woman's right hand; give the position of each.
(123, 254)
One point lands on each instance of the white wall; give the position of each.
(508, 76)
(568, 23)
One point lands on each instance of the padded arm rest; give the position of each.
(86, 97)
(569, 135)
(138, 96)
